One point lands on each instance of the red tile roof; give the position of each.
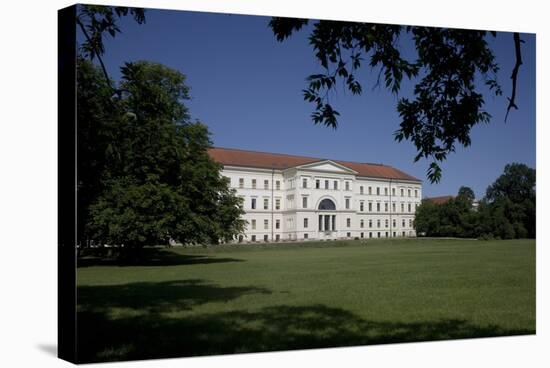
(264, 160)
(440, 200)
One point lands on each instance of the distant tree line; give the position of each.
(507, 211)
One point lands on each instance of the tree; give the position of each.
(513, 195)
(516, 183)
(467, 193)
(447, 101)
(157, 181)
(98, 126)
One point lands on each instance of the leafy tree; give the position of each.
(98, 126)
(516, 183)
(156, 181)
(447, 101)
(427, 219)
(466, 193)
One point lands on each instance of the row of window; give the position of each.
(335, 187)
(254, 184)
(290, 199)
(379, 234)
(348, 223)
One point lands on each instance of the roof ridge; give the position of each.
(269, 153)
(310, 157)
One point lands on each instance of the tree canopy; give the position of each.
(145, 176)
(449, 68)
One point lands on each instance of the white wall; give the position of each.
(291, 213)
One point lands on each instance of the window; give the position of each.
(266, 184)
(386, 206)
(241, 183)
(266, 224)
(402, 207)
(409, 206)
(240, 238)
(361, 189)
(401, 192)
(409, 191)
(378, 207)
(304, 183)
(416, 193)
(347, 185)
(265, 238)
(393, 207)
(393, 191)
(277, 237)
(253, 238)
(370, 190)
(386, 234)
(370, 223)
(278, 185)
(394, 234)
(347, 203)
(377, 190)
(362, 223)
(253, 224)
(362, 235)
(378, 234)
(327, 204)
(304, 202)
(361, 206)
(386, 223)
(277, 224)
(305, 236)
(317, 184)
(306, 223)
(335, 185)
(253, 183)
(253, 203)
(385, 191)
(403, 223)
(348, 235)
(370, 206)
(410, 223)
(378, 224)
(266, 203)
(370, 234)
(348, 222)
(403, 233)
(326, 184)
(277, 204)
(394, 224)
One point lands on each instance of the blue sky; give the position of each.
(247, 88)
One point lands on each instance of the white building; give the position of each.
(298, 198)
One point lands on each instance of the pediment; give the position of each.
(327, 166)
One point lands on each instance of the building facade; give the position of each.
(301, 198)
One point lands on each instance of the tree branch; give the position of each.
(81, 25)
(514, 77)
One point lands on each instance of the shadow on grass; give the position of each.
(151, 333)
(158, 297)
(143, 257)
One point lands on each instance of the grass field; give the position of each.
(184, 302)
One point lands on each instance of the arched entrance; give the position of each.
(327, 219)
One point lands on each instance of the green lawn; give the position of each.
(198, 301)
